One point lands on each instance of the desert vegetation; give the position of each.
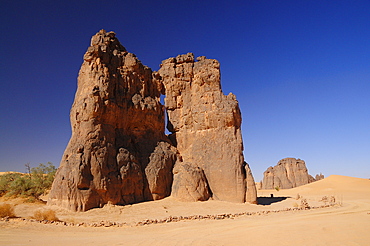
(30, 185)
(6, 210)
(46, 214)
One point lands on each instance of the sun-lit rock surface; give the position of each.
(288, 173)
(118, 152)
(117, 132)
(205, 123)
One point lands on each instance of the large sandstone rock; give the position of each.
(118, 152)
(205, 123)
(190, 183)
(288, 173)
(159, 170)
(132, 175)
(117, 133)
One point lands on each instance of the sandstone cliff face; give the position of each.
(288, 173)
(118, 152)
(205, 123)
(117, 133)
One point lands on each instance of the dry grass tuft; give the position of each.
(71, 220)
(6, 210)
(47, 214)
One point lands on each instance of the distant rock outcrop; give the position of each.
(118, 152)
(288, 173)
(319, 177)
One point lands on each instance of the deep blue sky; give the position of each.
(300, 70)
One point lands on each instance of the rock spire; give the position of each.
(205, 124)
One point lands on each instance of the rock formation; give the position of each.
(259, 185)
(288, 173)
(159, 170)
(251, 195)
(190, 184)
(118, 152)
(117, 133)
(319, 177)
(205, 124)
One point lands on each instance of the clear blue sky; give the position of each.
(300, 70)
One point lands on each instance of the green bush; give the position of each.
(21, 186)
(33, 184)
(6, 181)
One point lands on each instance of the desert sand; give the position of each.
(345, 223)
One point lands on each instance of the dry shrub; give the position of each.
(47, 214)
(332, 200)
(71, 220)
(324, 199)
(6, 210)
(304, 204)
(295, 205)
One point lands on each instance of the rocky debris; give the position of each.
(117, 130)
(118, 152)
(205, 124)
(170, 219)
(288, 173)
(64, 223)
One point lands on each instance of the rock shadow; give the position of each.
(269, 200)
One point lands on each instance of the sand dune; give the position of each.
(336, 185)
(348, 224)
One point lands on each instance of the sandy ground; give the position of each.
(344, 224)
